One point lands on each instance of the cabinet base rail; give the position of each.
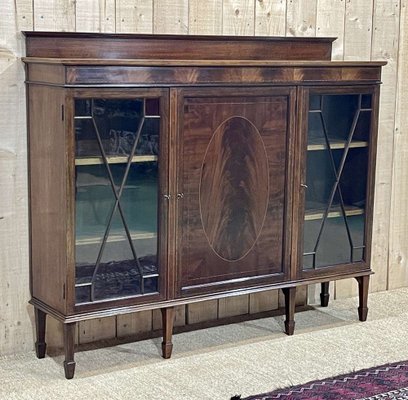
(168, 315)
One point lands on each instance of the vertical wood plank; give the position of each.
(202, 311)
(134, 16)
(54, 15)
(330, 22)
(238, 17)
(205, 17)
(170, 16)
(398, 273)
(54, 334)
(301, 297)
(270, 17)
(16, 316)
(301, 18)
(231, 306)
(345, 288)
(179, 317)
(358, 29)
(263, 301)
(97, 329)
(25, 18)
(132, 324)
(384, 47)
(95, 16)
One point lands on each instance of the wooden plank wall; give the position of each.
(366, 29)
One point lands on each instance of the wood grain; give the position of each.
(358, 30)
(175, 47)
(301, 18)
(398, 271)
(13, 240)
(238, 17)
(199, 262)
(234, 188)
(386, 25)
(203, 311)
(231, 306)
(133, 324)
(134, 16)
(205, 17)
(16, 322)
(179, 317)
(170, 16)
(48, 205)
(54, 15)
(264, 301)
(24, 15)
(270, 17)
(361, 42)
(95, 16)
(97, 329)
(330, 17)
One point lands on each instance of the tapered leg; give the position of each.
(363, 282)
(69, 345)
(290, 301)
(324, 294)
(40, 323)
(168, 321)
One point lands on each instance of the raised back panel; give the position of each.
(126, 46)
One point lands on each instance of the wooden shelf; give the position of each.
(89, 240)
(351, 211)
(114, 160)
(319, 144)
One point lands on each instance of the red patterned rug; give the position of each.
(386, 382)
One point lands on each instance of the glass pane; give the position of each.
(315, 102)
(116, 199)
(117, 122)
(363, 126)
(149, 140)
(366, 101)
(338, 113)
(94, 203)
(83, 108)
(336, 179)
(320, 178)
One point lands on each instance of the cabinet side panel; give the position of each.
(48, 195)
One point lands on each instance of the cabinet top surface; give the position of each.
(172, 37)
(198, 63)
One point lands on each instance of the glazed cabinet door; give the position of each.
(338, 140)
(233, 197)
(120, 163)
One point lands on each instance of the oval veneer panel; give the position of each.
(234, 188)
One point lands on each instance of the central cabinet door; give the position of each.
(233, 195)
